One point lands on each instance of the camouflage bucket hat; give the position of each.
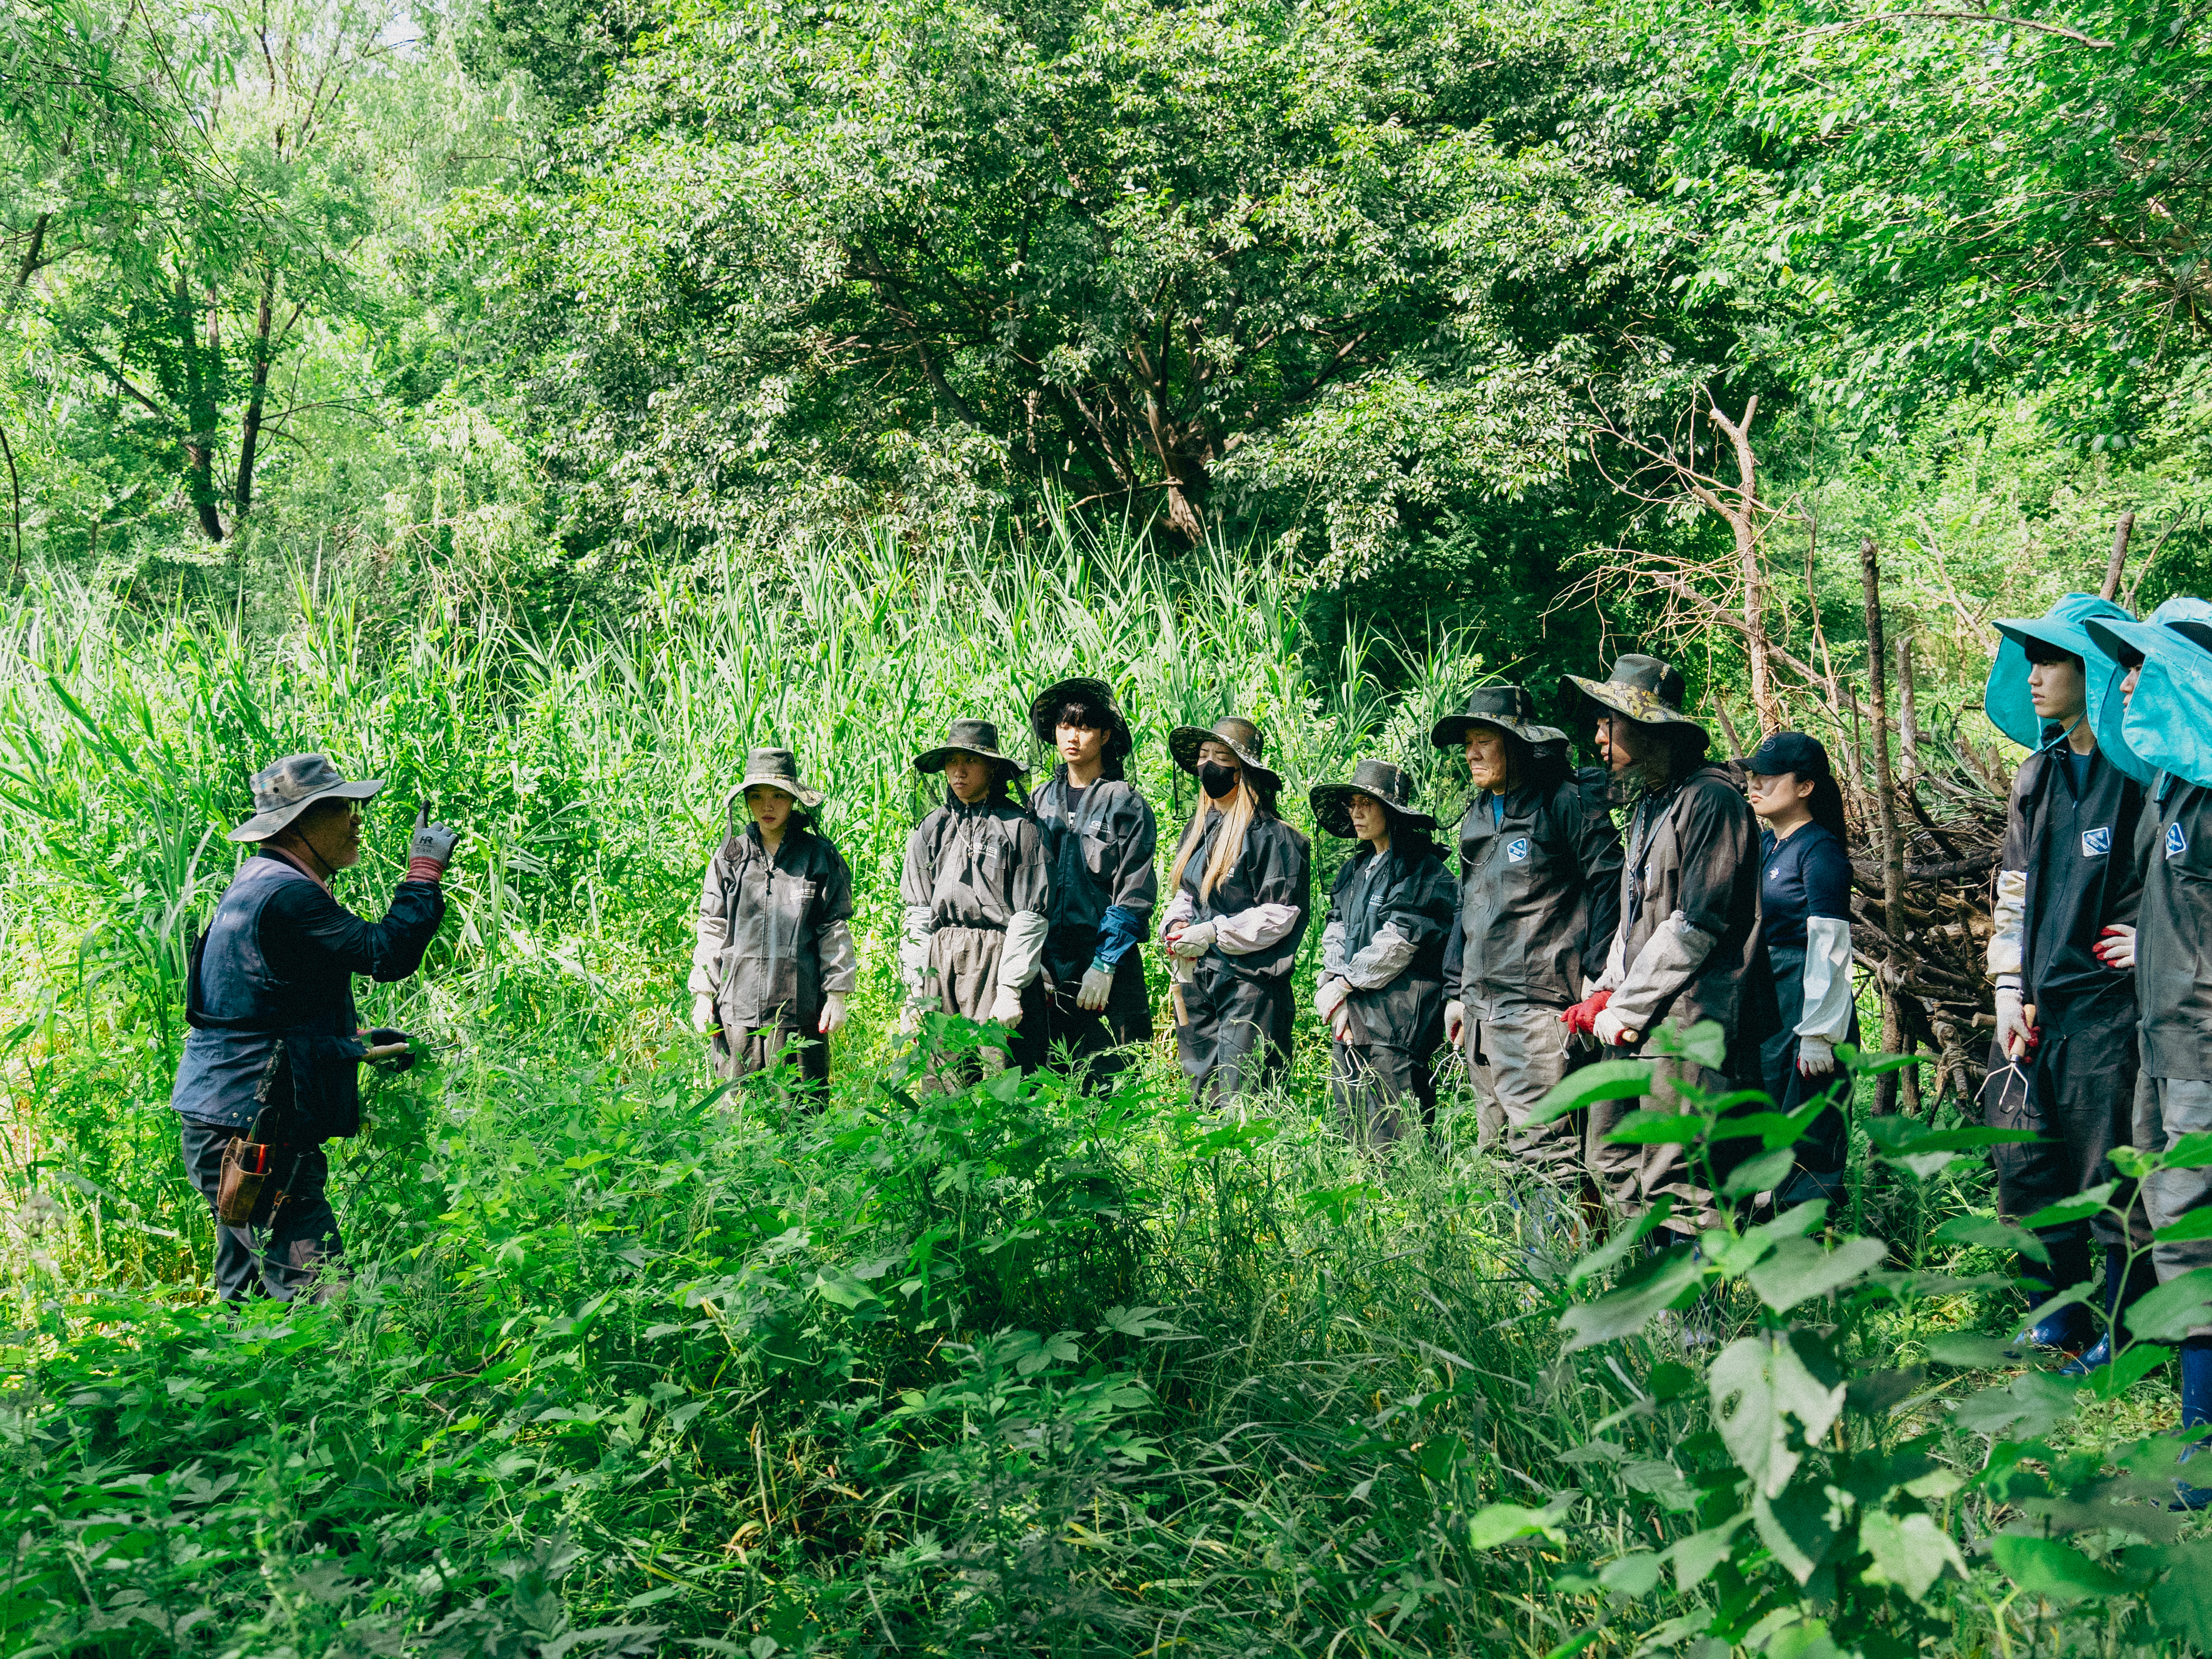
(1506, 708)
(1642, 689)
(1243, 739)
(1044, 714)
(776, 768)
(974, 738)
(290, 787)
(1379, 781)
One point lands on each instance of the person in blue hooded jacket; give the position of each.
(2163, 732)
(2064, 1064)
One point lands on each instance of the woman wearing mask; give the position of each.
(773, 962)
(1805, 935)
(1242, 884)
(1381, 987)
(977, 888)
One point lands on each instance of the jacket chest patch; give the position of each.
(2095, 843)
(2177, 840)
(1517, 850)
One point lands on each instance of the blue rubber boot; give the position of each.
(2196, 1411)
(2072, 1327)
(2122, 1286)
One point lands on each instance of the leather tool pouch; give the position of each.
(245, 1166)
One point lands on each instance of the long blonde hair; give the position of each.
(1228, 847)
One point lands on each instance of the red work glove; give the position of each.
(1583, 1017)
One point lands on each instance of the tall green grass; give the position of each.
(630, 1364)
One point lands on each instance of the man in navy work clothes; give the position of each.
(2064, 875)
(274, 1038)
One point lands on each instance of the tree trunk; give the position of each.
(1893, 856)
(2121, 533)
(201, 373)
(249, 432)
(1744, 521)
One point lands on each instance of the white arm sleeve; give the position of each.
(1179, 910)
(1331, 950)
(1381, 960)
(841, 961)
(1256, 929)
(1024, 952)
(714, 932)
(2008, 914)
(1669, 960)
(1827, 980)
(914, 947)
(1616, 962)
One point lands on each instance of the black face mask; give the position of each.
(1220, 783)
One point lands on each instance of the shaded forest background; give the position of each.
(554, 305)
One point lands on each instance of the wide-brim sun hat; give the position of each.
(1243, 738)
(2176, 638)
(974, 738)
(1386, 785)
(2006, 699)
(289, 786)
(1641, 688)
(775, 769)
(1503, 707)
(1044, 712)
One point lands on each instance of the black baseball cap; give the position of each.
(1792, 752)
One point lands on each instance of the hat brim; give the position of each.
(798, 792)
(1332, 809)
(1183, 743)
(933, 760)
(262, 825)
(1046, 706)
(2071, 637)
(1450, 732)
(1632, 702)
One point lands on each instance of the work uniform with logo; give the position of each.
(1539, 895)
(774, 937)
(275, 1044)
(1382, 979)
(977, 888)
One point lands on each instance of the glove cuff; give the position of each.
(422, 869)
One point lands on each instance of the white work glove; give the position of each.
(1339, 1022)
(1091, 996)
(2116, 949)
(1195, 941)
(1455, 1022)
(703, 1017)
(833, 1013)
(1612, 1029)
(430, 848)
(2012, 1029)
(1006, 1006)
(1329, 996)
(1816, 1056)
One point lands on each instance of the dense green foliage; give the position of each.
(535, 404)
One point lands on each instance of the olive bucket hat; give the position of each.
(1503, 708)
(1378, 780)
(974, 737)
(1244, 741)
(1642, 689)
(284, 791)
(776, 768)
(1044, 714)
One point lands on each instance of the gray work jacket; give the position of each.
(1388, 921)
(775, 929)
(2173, 929)
(1539, 898)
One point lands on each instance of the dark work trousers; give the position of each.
(2077, 1091)
(1383, 1093)
(761, 1049)
(1093, 1047)
(1238, 1037)
(277, 1255)
(1818, 1170)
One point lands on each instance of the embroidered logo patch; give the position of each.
(1517, 850)
(2095, 843)
(2177, 840)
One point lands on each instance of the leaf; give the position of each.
(1910, 1550)
(1135, 1322)
(1663, 1481)
(2128, 1367)
(2045, 1567)
(1694, 1558)
(1501, 1523)
(1626, 1311)
(2197, 1224)
(2025, 1408)
(1657, 1128)
(1617, 1248)
(1968, 1352)
(1928, 1153)
(1800, 1270)
(1608, 1079)
(2175, 1308)
(1795, 1525)
(1631, 1576)
(2181, 1602)
(1758, 1382)
(1993, 1234)
(1705, 1043)
(1338, 1202)
(1759, 1174)
(2080, 1207)
(2191, 1152)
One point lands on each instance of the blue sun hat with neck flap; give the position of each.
(2121, 644)
(2006, 701)
(2166, 726)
